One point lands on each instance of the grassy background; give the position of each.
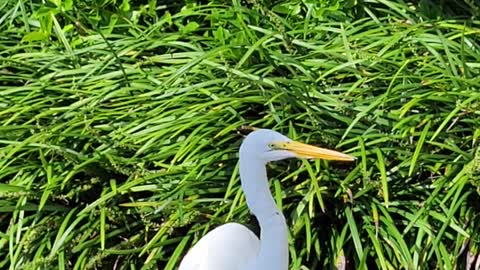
(119, 129)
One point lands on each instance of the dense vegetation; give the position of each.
(120, 123)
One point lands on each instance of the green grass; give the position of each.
(119, 132)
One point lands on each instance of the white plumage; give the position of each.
(210, 251)
(233, 246)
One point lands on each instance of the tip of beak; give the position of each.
(347, 158)
(352, 158)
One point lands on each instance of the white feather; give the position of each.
(230, 246)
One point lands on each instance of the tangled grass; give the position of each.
(118, 134)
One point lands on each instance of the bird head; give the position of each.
(268, 145)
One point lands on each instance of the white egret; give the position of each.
(233, 246)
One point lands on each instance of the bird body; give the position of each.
(237, 245)
(234, 247)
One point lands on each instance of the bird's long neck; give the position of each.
(273, 236)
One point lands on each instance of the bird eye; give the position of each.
(271, 145)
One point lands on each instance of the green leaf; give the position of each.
(67, 5)
(43, 12)
(190, 27)
(418, 148)
(58, 3)
(111, 24)
(68, 28)
(152, 4)
(287, 8)
(167, 17)
(35, 36)
(10, 188)
(125, 6)
(218, 34)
